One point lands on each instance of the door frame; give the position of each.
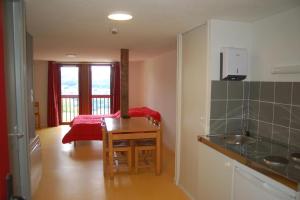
(178, 109)
(4, 158)
(17, 96)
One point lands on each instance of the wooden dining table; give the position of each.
(133, 128)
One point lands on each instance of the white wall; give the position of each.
(276, 42)
(194, 105)
(159, 92)
(227, 34)
(40, 87)
(136, 84)
(271, 42)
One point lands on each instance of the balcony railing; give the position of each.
(69, 107)
(100, 104)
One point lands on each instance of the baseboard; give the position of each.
(186, 192)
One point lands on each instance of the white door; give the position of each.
(16, 89)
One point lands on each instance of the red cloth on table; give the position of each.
(141, 112)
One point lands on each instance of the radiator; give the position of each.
(36, 163)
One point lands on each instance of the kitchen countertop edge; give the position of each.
(253, 165)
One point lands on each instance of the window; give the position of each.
(84, 89)
(69, 93)
(100, 89)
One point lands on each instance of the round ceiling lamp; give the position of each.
(120, 16)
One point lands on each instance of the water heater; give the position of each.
(233, 63)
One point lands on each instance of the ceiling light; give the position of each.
(120, 16)
(71, 55)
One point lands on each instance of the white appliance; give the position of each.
(249, 184)
(290, 69)
(35, 163)
(233, 63)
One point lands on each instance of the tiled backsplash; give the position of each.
(274, 111)
(228, 106)
(267, 109)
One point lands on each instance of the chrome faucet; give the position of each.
(245, 133)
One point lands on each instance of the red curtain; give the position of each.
(115, 87)
(53, 94)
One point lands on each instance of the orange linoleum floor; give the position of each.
(76, 174)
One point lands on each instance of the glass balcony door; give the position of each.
(100, 89)
(69, 93)
(98, 85)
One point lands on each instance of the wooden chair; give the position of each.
(122, 152)
(145, 151)
(37, 115)
(144, 154)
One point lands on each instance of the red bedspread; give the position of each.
(88, 127)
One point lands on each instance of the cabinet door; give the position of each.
(215, 172)
(249, 185)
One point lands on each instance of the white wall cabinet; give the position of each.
(215, 174)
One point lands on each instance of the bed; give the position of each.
(88, 127)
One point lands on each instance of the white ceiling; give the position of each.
(81, 27)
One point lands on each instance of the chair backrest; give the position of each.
(37, 115)
(154, 121)
(104, 133)
(36, 107)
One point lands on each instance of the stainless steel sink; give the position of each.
(238, 139)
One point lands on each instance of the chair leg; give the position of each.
(129, 160)
(136, 159)
(110, 159)
(132, 150)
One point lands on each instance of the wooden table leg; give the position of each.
(104, 150)
(110, 155)
(158, 153)
(132, 143)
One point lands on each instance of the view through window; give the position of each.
(69, 92)
(100, 89)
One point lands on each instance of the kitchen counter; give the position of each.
(253, 154)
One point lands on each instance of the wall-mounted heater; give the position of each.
(233, 63)
(290, 69)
